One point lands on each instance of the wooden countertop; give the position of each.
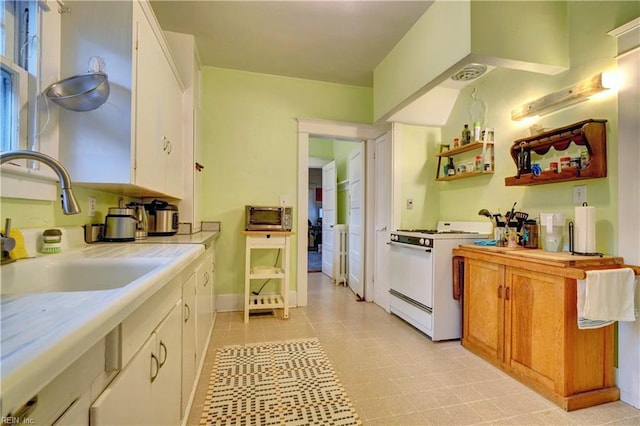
(561, 263)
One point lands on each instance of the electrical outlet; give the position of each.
(409, 203)
(284, 201)
(579, 194)
(92, 206)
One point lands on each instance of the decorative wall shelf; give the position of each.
(473, 146)
(592, 134)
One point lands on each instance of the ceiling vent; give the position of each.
(469, 72)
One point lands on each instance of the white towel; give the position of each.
(606, 296)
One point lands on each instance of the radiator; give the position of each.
(340, 253)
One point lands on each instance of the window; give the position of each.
(20, 52)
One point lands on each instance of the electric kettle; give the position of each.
(142, 220)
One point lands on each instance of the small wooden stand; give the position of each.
(267, 240)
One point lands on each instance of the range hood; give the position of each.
(433, 107)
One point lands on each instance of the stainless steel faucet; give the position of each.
(69, 203)
(7, 243)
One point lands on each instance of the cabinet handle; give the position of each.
(206, 279)
(22, 414)
(163, 359)
(499, 292)
(507, 293)
(187, 311)
(156, 364)
(169, 147)
(165, 143)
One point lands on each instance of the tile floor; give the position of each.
(396, 376)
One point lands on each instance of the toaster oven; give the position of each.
(265, 218)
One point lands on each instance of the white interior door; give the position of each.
(382, 218)
(329, 205)
(356, 220)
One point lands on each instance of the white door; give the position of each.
(356, 220)
(329, 213)
(382, 219)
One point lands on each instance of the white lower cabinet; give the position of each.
(204, 296)
(188, 341)
(148, 389)
(65, 401)
(145, 371)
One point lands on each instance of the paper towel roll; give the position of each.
(585, 230)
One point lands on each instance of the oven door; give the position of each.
(411, 273)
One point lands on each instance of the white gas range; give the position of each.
(421, 283)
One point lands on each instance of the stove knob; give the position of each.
(421, 241)
(427, 242)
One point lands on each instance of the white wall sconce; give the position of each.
(579, 92)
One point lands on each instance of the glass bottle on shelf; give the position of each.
(451, 170)
(466, 135)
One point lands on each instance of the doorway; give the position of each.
(310, 128)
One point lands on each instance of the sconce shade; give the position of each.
(561, 99)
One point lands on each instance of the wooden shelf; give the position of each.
(463, 175)
(592, 134)
(474, 146)
(266, 301)
(461, 149)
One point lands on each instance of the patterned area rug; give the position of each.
(279, 383)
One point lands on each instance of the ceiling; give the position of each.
(334, 41)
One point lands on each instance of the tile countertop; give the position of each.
(44, 333)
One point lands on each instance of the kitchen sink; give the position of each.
(66, 274)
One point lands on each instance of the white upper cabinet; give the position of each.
(133, 144)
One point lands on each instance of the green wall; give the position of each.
(418, 146)
(250, 148)
(320, 148)
(42, 214)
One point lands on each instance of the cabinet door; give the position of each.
(483, 307)
(213, 283)
(534, 326)
(166, 390)
(128, 400)
(188, 339)
(173, 132)
(149, 94)
(203, 308)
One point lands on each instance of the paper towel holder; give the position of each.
(571, 244)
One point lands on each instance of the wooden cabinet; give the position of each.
(589, 134)
(258, 275)
(485, 148)
(148, 390)
(521, 316)
(133, 144)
